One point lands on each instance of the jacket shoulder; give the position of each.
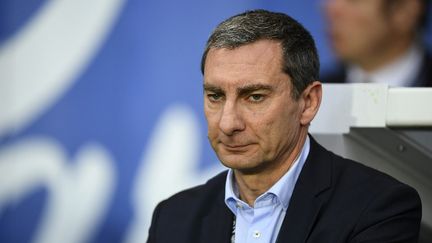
(177, 218)
(212, 188)
(385, 207)
(356, 173)
(363, 203)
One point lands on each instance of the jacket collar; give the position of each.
(308, 196)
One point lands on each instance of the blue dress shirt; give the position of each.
(262, 222)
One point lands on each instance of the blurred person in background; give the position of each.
(379, 41)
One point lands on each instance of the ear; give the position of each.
(311, 98)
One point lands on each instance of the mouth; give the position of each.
(236, 148)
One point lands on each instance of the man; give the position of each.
(379, 41)
(260, 95)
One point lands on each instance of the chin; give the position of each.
(254, 169)
(235, 161)
(244, 165)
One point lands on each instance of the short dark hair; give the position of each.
(300, 56)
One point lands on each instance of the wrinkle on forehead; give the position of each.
(249, 63)
(262, 53)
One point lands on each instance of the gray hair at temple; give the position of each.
(300, 56)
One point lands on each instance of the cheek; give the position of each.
(211, 127)
(367, 26)
(212, 124)
(276, 125)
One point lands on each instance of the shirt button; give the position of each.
(256, 234)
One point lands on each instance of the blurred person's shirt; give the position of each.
(400, 73)
(414, 69)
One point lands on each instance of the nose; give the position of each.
(231, 121)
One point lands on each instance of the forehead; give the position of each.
(258, 61)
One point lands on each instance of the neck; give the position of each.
(251, 186)
(384, 56)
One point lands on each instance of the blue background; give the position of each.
(149, 61)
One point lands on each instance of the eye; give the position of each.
(256, 97)
(214, 97)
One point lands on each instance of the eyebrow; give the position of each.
(212, 88)
(247, 89)
(241, 91)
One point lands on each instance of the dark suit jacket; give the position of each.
(334, 200)
(423, 78)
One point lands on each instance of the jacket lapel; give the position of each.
(308, 196)
(217, 223)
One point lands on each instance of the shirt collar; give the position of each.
(282, 189)
(402, 72)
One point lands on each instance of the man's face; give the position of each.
(253, 121)
(358, 29)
